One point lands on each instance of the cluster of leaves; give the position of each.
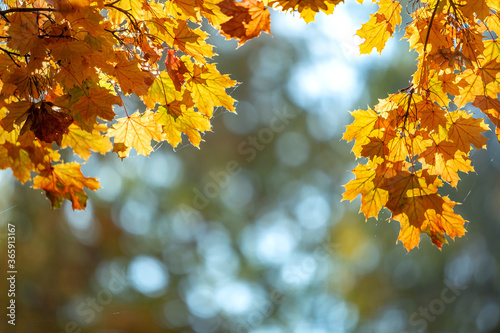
(419, 138)
(66, 64)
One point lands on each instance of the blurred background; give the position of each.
(249, 234)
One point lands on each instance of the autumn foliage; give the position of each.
(420, 137)
(66, 66)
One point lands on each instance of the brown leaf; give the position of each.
(47, 124)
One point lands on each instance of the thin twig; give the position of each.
(10, 54)
(4, 13)
(25, 10)
(430, 25)
(132, 19)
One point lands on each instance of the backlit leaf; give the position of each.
(137, 131)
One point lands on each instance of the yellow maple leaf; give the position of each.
(18, 159)
(189, 122)
(84, 142)
(208, 88)
(409, 235)
(362, 126)
(373, 198)
(380, 27)
(124, 10)
(137, 131)
(363, 129)
(190, 41)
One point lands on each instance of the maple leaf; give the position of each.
(17, 112)
(137, 131)
(25, 84)
(131, 78)
(161, 91)
(307, 8)
(208, 88)
(186, 9)
(175, 69)
(121, 150)
(465, 131)
(491, 107)
(444, 159)
(189, 41)
(23, 30)
(363, 124)
(47, 124)
(415, 196)
(450, 222)
(373, 197)
(83, 142)
(374, 146)
(470, 86)
(431, 115)
(18, 159)
(86, 19)
(88, 104)
(478, 7)
(65, 181)
(380, 27)
(188, 121)
(248, 19)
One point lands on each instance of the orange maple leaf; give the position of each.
(131, 78)
(65, 181)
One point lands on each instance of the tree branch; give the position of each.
(25, 10)
(4, 13)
